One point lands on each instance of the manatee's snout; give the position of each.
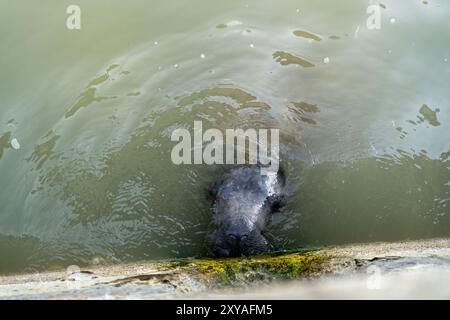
(238, 230)
(236, 239)
(234, 244)
(225, 244)
(237, 243)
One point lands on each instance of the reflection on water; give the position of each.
(428, 115)
(307, 35)
(364, 137)
(89, 95)
(425, 115)
(44, 151)
(302, 111)
(285, 58)
(5, 143)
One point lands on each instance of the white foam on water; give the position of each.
(233, 23)
(15, 144)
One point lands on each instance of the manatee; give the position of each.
(243, 203)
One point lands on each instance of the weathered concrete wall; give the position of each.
(200, 278)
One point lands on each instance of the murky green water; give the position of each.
(364, 118)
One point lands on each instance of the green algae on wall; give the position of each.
(276, 266)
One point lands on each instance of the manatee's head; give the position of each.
(243, 204)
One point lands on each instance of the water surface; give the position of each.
(363, 114)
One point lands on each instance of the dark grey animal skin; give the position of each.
(244, 201)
